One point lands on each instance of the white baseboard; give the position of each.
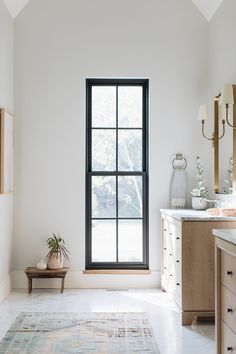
(5, 288)
(78, 280)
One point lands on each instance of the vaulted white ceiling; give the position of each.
(207, 7)
(15, 6)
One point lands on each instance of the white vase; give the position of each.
(199, 203)
(41, 265)
(56, 261)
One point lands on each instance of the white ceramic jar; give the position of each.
(41, 265)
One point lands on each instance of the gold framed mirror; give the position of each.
(224, 148)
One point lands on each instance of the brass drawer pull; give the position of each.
(229, 310)
(229, 272)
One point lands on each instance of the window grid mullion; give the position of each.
(117, 238)
(119, 173)
(119, 128)
(119, 218)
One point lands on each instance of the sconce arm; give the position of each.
(223, 132)
(231, 125)
(203, 134)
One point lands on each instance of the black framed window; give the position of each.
(117, 174)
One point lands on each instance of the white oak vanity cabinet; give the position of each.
(225, 291)
(188, 260)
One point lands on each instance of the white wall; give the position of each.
(59, 43)
(222, 62)
(6, 100)
(222, 51)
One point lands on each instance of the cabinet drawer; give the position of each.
(177, 296)
(178, 255)
(165, 257)
(228, 340)
(228, 271)
(165, 233)
(228, 307)
(172, 228)
(178, 271)
(174, 247)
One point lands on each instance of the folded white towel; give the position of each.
(178, 188)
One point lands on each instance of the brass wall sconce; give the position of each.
(227, 99)
(203, 116)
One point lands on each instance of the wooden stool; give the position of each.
(34, 273)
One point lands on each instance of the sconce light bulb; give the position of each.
(227, 95)
(222, 112)
(203, 113)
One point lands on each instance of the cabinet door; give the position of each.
(228, 307)
(228, 340)
(172, 257)
(198, 271)
(165, 258)
(228, 271)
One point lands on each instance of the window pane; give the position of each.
(103, 150)
(130, 241)
(129, 196)
(130, 150)
(103, 106)
(130, 104)
(103, 197)
(103, 241)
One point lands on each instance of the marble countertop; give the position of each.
(226, 234)
(194, 215)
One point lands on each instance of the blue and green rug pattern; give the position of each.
(87, 333)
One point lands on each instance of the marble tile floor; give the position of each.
(171, 337)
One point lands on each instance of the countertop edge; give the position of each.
(176, 214)
(225, 234)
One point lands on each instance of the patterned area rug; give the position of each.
(61, 332)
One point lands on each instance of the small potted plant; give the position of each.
(200, 193)
(57, 252)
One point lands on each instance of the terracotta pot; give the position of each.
(56, 261)
(199, 203)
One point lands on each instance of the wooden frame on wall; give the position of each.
(216, 143)
(6, 151)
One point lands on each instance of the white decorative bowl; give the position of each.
(41, 265)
